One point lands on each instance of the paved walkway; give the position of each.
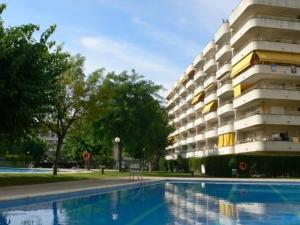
(27, 191)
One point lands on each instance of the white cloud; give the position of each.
(120, 55)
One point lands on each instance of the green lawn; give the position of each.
(25, 179)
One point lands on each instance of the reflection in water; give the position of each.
(168, 203)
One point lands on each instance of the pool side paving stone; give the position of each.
(29, 191)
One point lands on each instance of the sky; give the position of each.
(157, 38)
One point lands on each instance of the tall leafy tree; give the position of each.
(68, 105)
(28, 71)
(131, 109)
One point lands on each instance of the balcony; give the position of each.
(199, 121)
(229, 150)
(190, 140)
(265, 45)
(210, 97)
(211, 152)
(250, 8)
(199, 138)
(268, 147)
(190, 125)
(198, 59)
(182, 129)
(226, 109)
(171, 112)
(182, 116)
(176, 119)
(225, 69)
(210, 117)
(189, 84)
(190, 111)
(210, 66)
(270, 119)
(176, 144)
(228, 128)
(176, 108)
(182, 90)
(183, 142)
(171, 157)
(189, 70)
(211, 133)
(198, 89)
(225, 90)
(189, 97)
(190, 155)
(259, 72)
(209, 49)
(223, 34)
(199, 154)
(224, 54)
(199, 106)
(264, 91)
(183, 104)
(272, 29)
(210, 80)
(199, 74)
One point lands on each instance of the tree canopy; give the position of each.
(127, 106)
(29, 68)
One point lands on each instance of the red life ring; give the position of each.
(243, 166)
(86, 155)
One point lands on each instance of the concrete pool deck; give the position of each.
(30, 191)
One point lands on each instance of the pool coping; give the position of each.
(12, 201)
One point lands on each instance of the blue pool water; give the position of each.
(22, 170)
(168, 203)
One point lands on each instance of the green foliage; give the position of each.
(163, 166)
(195, 164)
(129, 107)
(69, 104)
(35, 149)
(29, 68)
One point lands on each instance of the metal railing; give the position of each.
(269, 87)
(260, 112)
(267, 139)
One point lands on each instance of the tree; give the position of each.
(68, 105)
(35, 148)
(131, 109)
(29, 68)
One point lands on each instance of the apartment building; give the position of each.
(241, 94)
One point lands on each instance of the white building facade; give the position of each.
(241, 94)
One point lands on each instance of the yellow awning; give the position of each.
(226, 140)
(208, 107)
(237, 90)
(221, 141)
(279, 57)
(242, 65)
(198, 98)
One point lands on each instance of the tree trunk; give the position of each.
(57, 154)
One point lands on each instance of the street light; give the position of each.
(117, 153)
(144, 159)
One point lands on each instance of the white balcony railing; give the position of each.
(210, 80)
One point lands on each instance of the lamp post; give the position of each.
(117, 153)
(144, 159)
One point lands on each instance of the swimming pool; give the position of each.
(166, 203)
(22, 170)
